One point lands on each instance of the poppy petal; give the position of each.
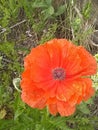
(34, 100)
(65, 109)
(88, 62)
(84, 88)
(53, 109)
(55, 57)
(38, 62)
(64, 91)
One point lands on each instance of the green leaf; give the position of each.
(90, 101)
(87, 10)
(2, 113)
(12, 4)
(84, 108)
(60, 10)
(49, 2)
(6, 124)
(39, 5)
(18, 112)
(50, 10)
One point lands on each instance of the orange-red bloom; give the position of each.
(56, 75)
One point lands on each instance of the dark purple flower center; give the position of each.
(58, 74)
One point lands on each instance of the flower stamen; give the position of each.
(58, 74)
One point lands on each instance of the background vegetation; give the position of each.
(25, 24)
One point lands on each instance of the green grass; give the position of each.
(43, 20)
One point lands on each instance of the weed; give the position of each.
(46, 19)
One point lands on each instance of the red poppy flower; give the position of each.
(56, 75)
